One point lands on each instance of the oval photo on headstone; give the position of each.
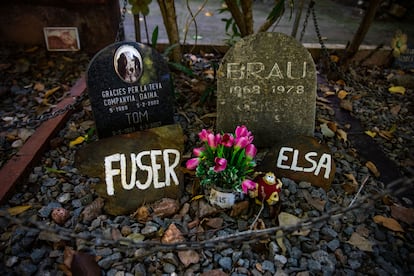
(129, 86)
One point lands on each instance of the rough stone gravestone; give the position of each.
(136, 168)
(267, 81)
(129, 87)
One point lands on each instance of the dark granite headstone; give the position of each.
(301, 158)
(267, 81)
(136, 168)
(129, 87)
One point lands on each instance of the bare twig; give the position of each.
(359, 190)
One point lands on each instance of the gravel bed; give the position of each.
(337, 241)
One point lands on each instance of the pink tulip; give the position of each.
(221, 164)
(248, 185)
(204, 134)
(192, 163)
(227, 140)
(198, 151)
(242, 131)
(241, 142)
(251, 151)
(213, 140)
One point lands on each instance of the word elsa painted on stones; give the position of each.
(322, 162)
(273, 92)
(301, 158)
(136, 162)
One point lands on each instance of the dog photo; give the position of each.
(127, 63)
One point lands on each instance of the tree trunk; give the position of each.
(170, 22)
(248, 15)
(269, 22)
(137, 28)
(359, 36)
(237, 15)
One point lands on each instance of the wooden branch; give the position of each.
(237, 16)
(359, 36)
(269, 22)
(248, 15)
(170, 22)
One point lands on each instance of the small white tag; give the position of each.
(222, 199)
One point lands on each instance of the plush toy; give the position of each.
(267, 188)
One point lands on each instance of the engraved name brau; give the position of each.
(257, 70)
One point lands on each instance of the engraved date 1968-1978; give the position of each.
(241, 91)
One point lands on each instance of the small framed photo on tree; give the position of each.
(62, 38)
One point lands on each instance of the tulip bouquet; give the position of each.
(225, 159)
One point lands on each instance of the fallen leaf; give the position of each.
(259, 267)
(279, 240)
(386, 134)
(142, 214)
(329, 93)
(260, 225)
(134, 237)
(115, 234)
(215, 223)
(332, 126)
(197, 197)
(323, 100)
(239, 208)
(39, 86)
(93, 210)
(51, 91)
(370, 133)
(397, 90)
(363, 231)
(17, 144)
(286, 219)
(342, 94)
(14, 211)
(77, 141)
(54, 170)
(340, 82)
(334, 58)
(395, 109)
(24, 133)
(351, 177)
(326, 131)
(403, 214)
(68, 254)
(372, 168)
(346, 104)
(317, 203)
(32, 49)
(85, 264)
(360, 242)
(342, 134)
(188, 257)
(389, 223)
(351, 186)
